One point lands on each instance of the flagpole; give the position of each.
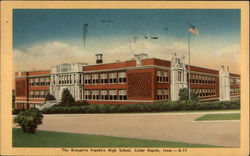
(189, 97)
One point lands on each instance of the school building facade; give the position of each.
(139, 80)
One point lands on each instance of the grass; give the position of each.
(189, 111)
(229, 116)
(59, 139)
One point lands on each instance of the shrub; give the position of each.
(79, 103)
(145, 107)
(49, 97)
(67, 98)
(29, 120)
(93, 108)
(15, 111)
(184, 95)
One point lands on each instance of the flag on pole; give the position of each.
(193, 30)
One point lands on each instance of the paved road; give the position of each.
(179, 127)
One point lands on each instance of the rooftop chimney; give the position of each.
(139, 57)
(99, 58)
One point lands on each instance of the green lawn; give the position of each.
(229, 116)
(58, 139)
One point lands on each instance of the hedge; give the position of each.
(163, 106)
(16, 111)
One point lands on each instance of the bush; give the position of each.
(49, 97)
(184, 95)
(67, 98)
(79, 103)
(146, 107)
(29, 120)
(15, 111)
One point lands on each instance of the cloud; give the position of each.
(228, 55)
(46, 55)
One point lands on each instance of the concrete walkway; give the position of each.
(179, 127)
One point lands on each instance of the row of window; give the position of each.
(105, 78)
(162, 94)
(234, 81)
(41, 81)
(68, 79)
(21, 106)
(235, 91)
(120, 77)
(38, 93)
(162, 76)
(201, 92)
(202, 79)
(105, 94)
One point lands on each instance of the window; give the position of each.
(104, 78)
(112, 77)
(165, 94)
(205, 79)
(196, 79)
(36, 94)
(122, 77)
(42, 81)
(80, 78)
(165, 76)
(237, 81)
(95, 78)
(213, 79)
(159, 94)
(104, 95)
(122, 95)
(95, 94)
(179, 76)
(199, 92)
(60, 82)
(31, 82)
(31, 94)
(210, 80)
(232, 81)
(87, 79)
(54, 80)
(46, 92)
(231, 90)
(74, 79)
(87, 94)
(192, 78)
(112, 95)
(47, 81)
(36, 81)
(42, 94)
(199, 79)
(203, 92)
(159, 76)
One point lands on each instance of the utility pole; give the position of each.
(189, 94)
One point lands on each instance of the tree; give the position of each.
(29, 120)
(49, 97)
(67, 98)
(183, 94)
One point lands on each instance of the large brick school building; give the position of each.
(139, 80)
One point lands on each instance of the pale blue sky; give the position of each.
(37, 30)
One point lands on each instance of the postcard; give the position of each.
(125, 78)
